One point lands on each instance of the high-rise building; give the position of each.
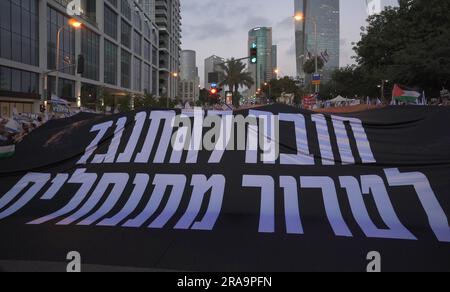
(274, 61)
(326, 13)
(212, 65)
(149, 8)
(168, 20)
(376, 6)
(263, 70)
(118, 39)
(189, 79)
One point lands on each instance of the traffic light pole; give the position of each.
(317, 52)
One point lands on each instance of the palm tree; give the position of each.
(236, 77)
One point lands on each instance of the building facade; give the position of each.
(118, 39)
(189, 80)
(212, 65)
(376, 6)
(168, 19)
(326, 13)
(263, 71)
(275, 61)
(149, 7)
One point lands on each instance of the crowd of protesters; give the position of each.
(13, 130)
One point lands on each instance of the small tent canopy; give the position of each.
(340, 99)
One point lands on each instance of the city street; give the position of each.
(227, 138)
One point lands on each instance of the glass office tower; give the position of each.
(263, 70)
(327, 15)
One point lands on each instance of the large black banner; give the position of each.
(269, 189)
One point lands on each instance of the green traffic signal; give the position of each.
(254, 53)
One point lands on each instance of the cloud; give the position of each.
(285, 24)
(257, 21)
(207, 30)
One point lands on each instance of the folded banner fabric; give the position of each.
(267, 189)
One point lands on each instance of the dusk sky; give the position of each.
(212, 27)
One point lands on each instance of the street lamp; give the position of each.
(174, 75)
(71, 23)
(300, 17)
(383, 84)
(269, 87)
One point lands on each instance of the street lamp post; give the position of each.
(174, 75)
(268, 85)
(301, 17)
(72, 23)
(383, 84)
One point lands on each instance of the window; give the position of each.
(154, 56)
(126, 34)
(137, 67)
(19, 31)
(147, 51)
(110, 22)
(125, 69)
(137, 20)
(110, 63)
(147, 78)
(18, 81)
(66, 88)
(16, 84)
(55, 20)
(154, 81)
(90, 43)
(126, 9)
(137, 43)
(147, 30)
(5, 79)
(113, 2)
(90, 10)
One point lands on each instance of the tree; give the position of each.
(236, 77)
(409, 45)
(351, 81)
(147, 100)
(310, 66)
(283, 85)
(204, 95)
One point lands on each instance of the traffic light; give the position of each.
(215, 91)
(254, 53)
(42, 108)
(80, 64)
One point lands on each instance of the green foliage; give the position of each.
(409, 45)
(236, 77)
(204, 95)
(351, 81)
(123, 103)
(283, 85)
(310, 66)
(147, 100)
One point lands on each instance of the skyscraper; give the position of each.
(189, 80)
(274, 61)
(327, 15)
(376, 6)
(211, 66)
(263, 70)
(149, 8)
(118, 39)
(168, 19)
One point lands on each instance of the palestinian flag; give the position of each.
(405, 95)
(7, 149)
